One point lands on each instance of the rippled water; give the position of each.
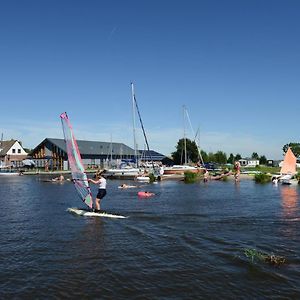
(187, 242)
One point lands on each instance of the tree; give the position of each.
(204, 156)
(230, 159)
(191, 152)
(295, 147)
(238, 157)
(211, 157)
(220, 157)
(254, 156)
(263, 160)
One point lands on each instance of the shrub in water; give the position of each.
(190, 177)
(262, 178)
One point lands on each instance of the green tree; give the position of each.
(211, 157)
(238, 157)
(254, 155)
(263, 160)
(204, 156)
(220, 157)
(191, 152)
(230, 159)
(295, 147)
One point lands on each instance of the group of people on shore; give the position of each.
(236, 172)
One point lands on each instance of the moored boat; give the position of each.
(180, 169)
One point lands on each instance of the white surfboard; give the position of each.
(86, 213)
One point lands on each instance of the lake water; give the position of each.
(187, 242)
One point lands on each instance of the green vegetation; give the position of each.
(262, 178)
(253, 254)
(152, 177)
(263, 169)
(295, 147)
(191, 149)
(190, 177)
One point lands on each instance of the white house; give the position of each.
(11, 153)
(249, 162)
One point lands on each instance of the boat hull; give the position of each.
(180, 170)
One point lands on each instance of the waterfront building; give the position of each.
(51, 154)
(11, 153)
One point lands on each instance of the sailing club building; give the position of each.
(51, 154)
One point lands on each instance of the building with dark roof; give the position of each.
(51, 154)
(11, 153)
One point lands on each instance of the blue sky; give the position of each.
(235, 65)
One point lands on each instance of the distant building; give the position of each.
(146, 155)
(11, 153)
(273, 163)
(249, 162)
(51, 154)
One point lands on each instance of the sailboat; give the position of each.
(148, 169)
(79, 177)
(288, 168)
(181, 169)
(127, 171)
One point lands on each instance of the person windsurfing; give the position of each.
(99, 179)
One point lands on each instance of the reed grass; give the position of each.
(273, 259)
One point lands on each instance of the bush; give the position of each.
(190, 177)
(262, 178)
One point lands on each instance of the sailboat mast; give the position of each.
(143, 129)
(111, 150)
(195, 136)
(184, 135)
(134, 124)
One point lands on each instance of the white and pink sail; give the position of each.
(78, 173)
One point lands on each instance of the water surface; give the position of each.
(187, 242)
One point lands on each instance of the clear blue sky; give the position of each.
(234, 64)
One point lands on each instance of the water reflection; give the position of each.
(289, 197)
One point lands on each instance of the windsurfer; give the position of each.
(101, 191)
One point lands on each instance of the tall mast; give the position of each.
(184, 134)
(134, 124)
(111, 150)
(143, 129)
(195, 137)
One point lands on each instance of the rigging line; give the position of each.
(198, 147)
(143, 129)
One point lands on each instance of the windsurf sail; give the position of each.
(78, 173)
(289, 163)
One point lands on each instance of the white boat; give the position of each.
(8, 173)
(143, 178)
(122, 172)
(180, 169)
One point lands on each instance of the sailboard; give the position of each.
(88, 213)
(79, 177)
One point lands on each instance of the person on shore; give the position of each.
(101, 191)
(237, 171)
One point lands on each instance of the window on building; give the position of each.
(13, 150)
(19, 151)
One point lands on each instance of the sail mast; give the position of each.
(184, 134)
(143, 129)
(195, 136)
(134, 125)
